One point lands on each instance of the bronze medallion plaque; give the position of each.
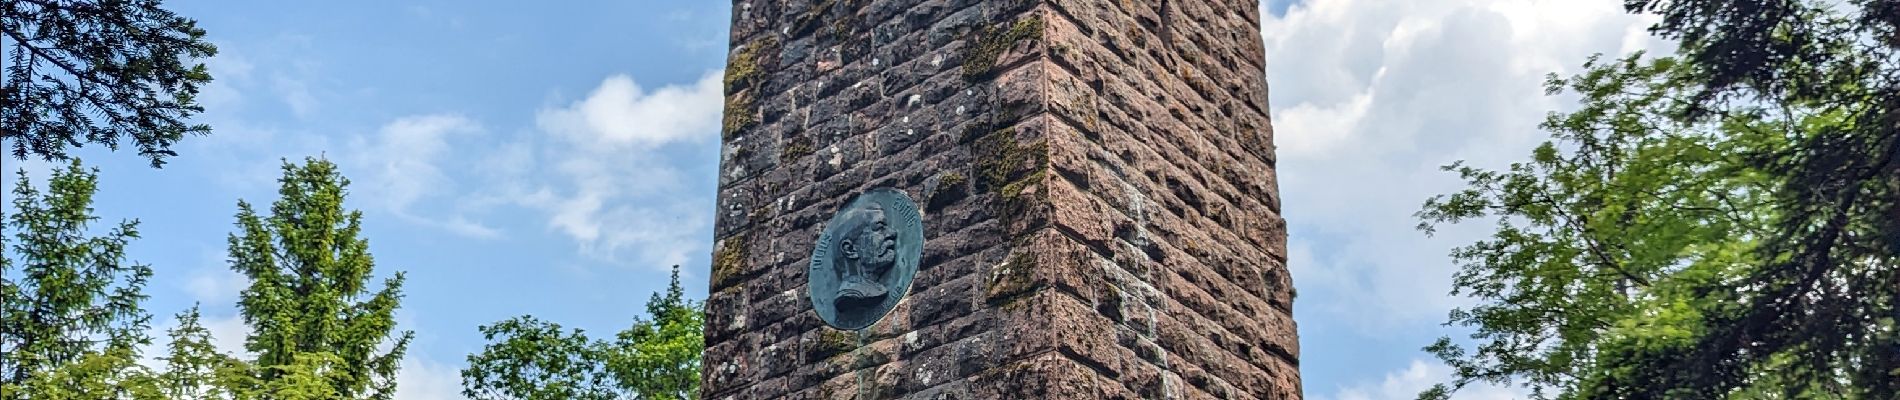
(863, 263)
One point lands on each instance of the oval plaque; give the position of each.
(863, 262)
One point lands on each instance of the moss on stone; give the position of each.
(1091, 114)
(744, 77)
(840, 30)
(738, 114)
(763, 213)
(744, 70)
(794, 148)
(1194, 80)
(1011, 280)
(728, 261)
(1001, 158)
(1110, 303)
(951, 179)
(979, 58)
(1137, 35)
(805, 22)
(830, 342)
(950, 188)
(1011, 170)
(1013, 191)
(871, 357)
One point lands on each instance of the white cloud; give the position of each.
(215, 285)
(1370, 97)
(1321, 127)
(1405, 384)
(228, 333)
(296, 95)
(420, 377)
(606, 170)
(403, 168)
(424, 379)
(404, 153)
(620, 112)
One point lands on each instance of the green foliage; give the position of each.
(81, 72)
(1721, 225)
(74, 324)
(194, 369)
(316, 324)
(111, 374)
(311, 375)
(657, 358)
(69, 301)
(537, 360)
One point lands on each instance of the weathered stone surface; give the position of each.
(1097, 184)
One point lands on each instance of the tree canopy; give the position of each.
(1720, 224)
(84, 72)
(69, 300)
(317, 326)
(531, 359)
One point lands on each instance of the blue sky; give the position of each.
(520, 158)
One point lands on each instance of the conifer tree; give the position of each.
(69, 301)
(194, 369)
(316, 323)
(81, 72)
(659, 358)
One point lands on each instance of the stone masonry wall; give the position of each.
(1097, 183)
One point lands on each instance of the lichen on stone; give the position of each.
(979, 58)
(763, 213)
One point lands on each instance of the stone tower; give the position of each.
(1096, 182)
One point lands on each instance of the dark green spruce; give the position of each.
(69, 300)
(106, 72)
(317, 324)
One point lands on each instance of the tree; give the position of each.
(537, 360)
(530, 359)
(100, 72)
(69, 302)
(1720, 225)
(194, 369)
(316, 324)
(659, 358)
(1821, 307)
(111, 374)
